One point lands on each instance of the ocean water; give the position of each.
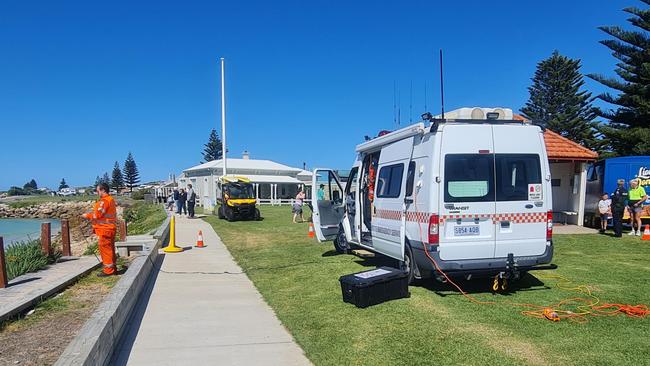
(15, 230)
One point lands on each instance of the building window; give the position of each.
(556, 182)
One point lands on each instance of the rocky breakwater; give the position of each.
(81, 231)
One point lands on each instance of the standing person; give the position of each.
(182, 199)
(170, 202)
(605, 210)
(320, 195)
(191, 201)
(619, 201)
(297, 206)
(177, 201)
(103, 218)
(636, 196)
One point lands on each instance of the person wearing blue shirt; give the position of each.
(320, 195)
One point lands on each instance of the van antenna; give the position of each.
(399, 107)
(442, 88)
(425, 96)
(394, 102)
(411, 103)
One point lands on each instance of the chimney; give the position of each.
(246, 155)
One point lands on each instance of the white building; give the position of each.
(274, 183)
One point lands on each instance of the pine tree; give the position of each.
(98, 180)
(557, 102)
(628, 132)
(106, 179)
(31, 185)
(118, 180)
(212, 149)
(63, 184)
(131, 175)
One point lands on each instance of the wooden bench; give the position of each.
(566, 214)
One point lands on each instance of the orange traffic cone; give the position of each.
(646, 233)
(199, 241)
(311, 230)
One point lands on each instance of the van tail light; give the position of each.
(549, 225)
(434, 235)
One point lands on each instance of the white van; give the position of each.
(473, 195)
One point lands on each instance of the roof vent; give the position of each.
(246, 155)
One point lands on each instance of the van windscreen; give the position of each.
(469, 177)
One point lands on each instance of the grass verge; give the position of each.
(26, 201)
(40, 338)
(142, 217)
(299, 279)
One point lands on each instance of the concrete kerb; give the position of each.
(99, 337)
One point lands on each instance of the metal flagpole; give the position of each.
(223, 117)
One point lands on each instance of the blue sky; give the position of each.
(84, 83)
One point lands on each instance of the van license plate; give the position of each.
(467, 230)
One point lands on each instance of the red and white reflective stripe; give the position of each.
(415, 216)
(516, 217)
(423, 217)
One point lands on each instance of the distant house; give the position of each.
(274, 183)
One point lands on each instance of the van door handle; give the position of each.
(529, 206)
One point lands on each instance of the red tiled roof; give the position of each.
(561, 148)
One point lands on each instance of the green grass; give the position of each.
(66, 301)
(299, 279)
(142, 217)
(26, 256)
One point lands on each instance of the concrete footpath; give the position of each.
(191, 315)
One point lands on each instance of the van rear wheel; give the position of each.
(408, 265)
(340, 242)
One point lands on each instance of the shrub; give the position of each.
(92, 249)
(138, 195)
(26, 256)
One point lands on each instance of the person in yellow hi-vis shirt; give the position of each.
(636, 198)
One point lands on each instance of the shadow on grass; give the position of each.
(477, 285)
(482, 285)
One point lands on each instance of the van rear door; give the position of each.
(327, 204)
(522, 192)
(467, 196)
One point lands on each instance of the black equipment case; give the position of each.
(373, 287)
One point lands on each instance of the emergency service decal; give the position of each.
(535, 192)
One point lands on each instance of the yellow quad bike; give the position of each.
(236, 198)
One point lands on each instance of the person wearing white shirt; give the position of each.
(605, 210)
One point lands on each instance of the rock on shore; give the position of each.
(81, 231)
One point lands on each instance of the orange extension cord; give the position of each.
(575, 309)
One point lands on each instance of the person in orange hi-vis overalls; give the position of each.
(103, 218)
